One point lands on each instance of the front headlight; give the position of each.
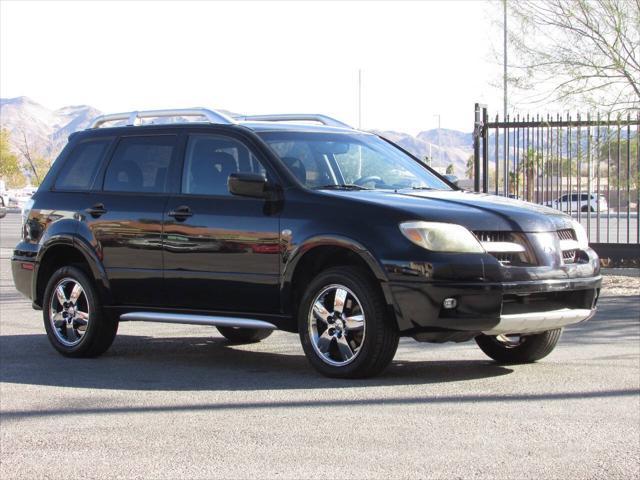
(441, 237)
(581, 234)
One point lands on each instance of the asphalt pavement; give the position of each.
(171, 401)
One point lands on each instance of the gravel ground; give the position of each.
(621, 285)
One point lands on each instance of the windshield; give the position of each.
(355, 161)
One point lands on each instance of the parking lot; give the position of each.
(170, 401)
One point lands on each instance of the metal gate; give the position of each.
(587, 166)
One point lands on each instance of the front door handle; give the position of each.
(180, 213)
(97, 210)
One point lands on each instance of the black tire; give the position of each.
(530, 349)
(100, 330)
(380, 342)
(244, 335)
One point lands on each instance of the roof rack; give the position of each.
(133, 118)
(295, 117)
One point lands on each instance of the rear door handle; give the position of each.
(181, 213)
(97, 210)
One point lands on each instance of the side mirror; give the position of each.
(249, 185)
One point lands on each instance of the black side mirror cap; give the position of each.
(249, 185)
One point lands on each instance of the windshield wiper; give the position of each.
(341, 186)
(423, 188)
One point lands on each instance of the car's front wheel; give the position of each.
(344, 324)
(73, 316)
(512, 349)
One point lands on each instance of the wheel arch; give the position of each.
(318, 253)
(68, 250)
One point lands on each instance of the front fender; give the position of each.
(294, 253)
(293, 256)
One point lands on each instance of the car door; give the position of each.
(221, 252)
(125, 216)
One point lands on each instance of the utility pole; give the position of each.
(439, 145)
(504, 48)
(359, 99)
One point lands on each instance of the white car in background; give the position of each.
(580, 202)
(19, 198)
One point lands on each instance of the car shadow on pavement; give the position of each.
(201, 363)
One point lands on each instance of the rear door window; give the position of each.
(80, 169)
(140, 164)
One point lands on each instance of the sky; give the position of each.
(421, 62)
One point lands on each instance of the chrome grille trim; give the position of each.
(568, 245)
(509, 248)
(503, 247)
(567, 234)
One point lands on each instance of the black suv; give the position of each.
(259, 223)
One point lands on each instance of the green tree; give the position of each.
(450, 169)
(10, 170)
(469, 170)
(41, 166)
(37, 165)
(628, 160)
(530, 160)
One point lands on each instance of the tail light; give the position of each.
(26, 210)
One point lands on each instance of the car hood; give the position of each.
(476, 211)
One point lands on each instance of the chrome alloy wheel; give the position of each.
(336, 325)
(69, 312)
(511, 340)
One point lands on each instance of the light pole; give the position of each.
(504, 48)
(359, 99)
(439, 146)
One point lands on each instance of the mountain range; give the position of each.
(45, 132)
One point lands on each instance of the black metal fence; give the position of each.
(587, 166)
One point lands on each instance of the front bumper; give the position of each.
(23, 268)
(495, 307)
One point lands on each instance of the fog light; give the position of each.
(450, 303)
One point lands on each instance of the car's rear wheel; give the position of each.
(73, 318)
(512, 349)
(344, 324)
(244, 335)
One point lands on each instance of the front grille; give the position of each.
(509, 259)
(493, 236)
(567, 234)
(569, 255)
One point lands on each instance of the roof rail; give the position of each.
(293, 117)
(132, 118)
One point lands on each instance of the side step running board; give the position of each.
(197, 320)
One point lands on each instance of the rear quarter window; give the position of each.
(81, 166)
